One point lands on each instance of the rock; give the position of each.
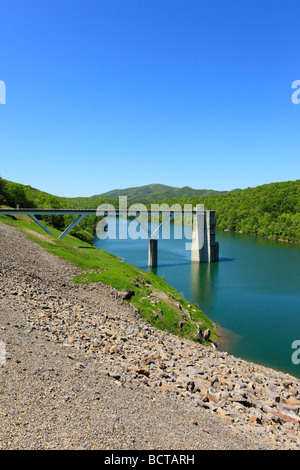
(255, 419)
(199, 335)
(193, 371)
(126, 294)
(140, 371)
(285, 418)
(206, 334)
(114, 375)
(182, 381)
(275, 397)
(190, 386)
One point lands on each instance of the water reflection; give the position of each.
(163, 265)
(202, 280)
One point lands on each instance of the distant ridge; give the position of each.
(138, 190)
(156, 192)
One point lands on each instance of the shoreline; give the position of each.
(258, 236)
(229, 338)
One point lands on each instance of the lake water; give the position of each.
(253, 292)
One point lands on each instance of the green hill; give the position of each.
(270, 210)
(13, 194)
(155, 192)
(139, 191)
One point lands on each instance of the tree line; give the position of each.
(270, 210)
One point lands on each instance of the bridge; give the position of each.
(204, 248)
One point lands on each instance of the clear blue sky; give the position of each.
(105, 94)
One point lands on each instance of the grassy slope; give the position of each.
(157, 302)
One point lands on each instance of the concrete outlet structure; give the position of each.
(205, 249)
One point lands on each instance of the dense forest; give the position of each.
(152, 193)
(13, 194)
(271, 210)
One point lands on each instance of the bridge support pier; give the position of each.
(205, 249)
(152, 253)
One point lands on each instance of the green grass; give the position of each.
(158, 303)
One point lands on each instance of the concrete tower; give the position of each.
(205, 249)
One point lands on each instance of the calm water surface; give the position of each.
(253, 292)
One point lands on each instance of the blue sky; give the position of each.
(105, 94)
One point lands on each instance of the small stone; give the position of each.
(115, 375)
(255, 419)
(206, 334)
(140, 371)
(126, 294)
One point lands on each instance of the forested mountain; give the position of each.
(155, 192)
(139, 191)
(271, 210)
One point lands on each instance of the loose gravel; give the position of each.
(80, 369)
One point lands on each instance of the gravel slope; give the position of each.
(82, 370)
